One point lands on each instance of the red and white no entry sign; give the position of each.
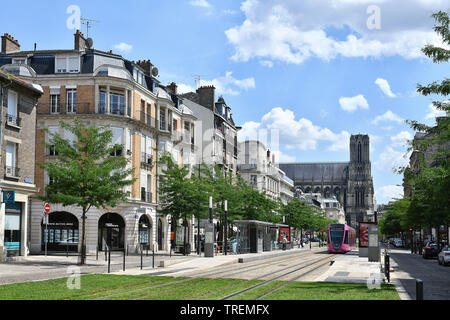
(47, 208)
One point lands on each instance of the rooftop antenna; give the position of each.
(89, 23)
(197, 78)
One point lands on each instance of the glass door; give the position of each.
(72, 101)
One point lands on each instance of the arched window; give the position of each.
(359, 152)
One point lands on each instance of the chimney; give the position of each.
(172, 87)
(147, 66)
(80, 41)
(206, 96)
(268, 154)
(9, 45)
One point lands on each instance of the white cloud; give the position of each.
(266, 63)
(390, 159)
(388, 193)
(293, 31)
(401, 139)
(385, 87)
(200, 3)
(301, 134)
(184, 88)
(434, 112)
(352, 104)
(230, 12)
(123, 47)
(228, 84)
(388, 116)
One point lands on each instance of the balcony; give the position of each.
(13, 120)
(147, 119)
(12, 172)
(247, 167)
(74, 108)
(146, 159)
(146, 196)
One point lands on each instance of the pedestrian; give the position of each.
(284, 242)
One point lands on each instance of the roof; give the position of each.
(326, 171)
(34, 87)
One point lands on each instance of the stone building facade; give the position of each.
(146, 117)
(18, 100)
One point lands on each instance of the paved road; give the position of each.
(408, 267)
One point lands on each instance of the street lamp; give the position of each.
(226, 226)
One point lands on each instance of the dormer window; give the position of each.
(19, 61)
(67, 64)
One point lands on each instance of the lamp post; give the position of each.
(226, 226)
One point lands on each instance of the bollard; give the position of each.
(153, 264)
(109, 260)
(419, 289)
(106, 253)
(146, 247)
(67, 250)
(124, 259)
(96, 253)
(141, 257)
(387, 267)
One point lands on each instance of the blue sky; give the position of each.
(314, 71)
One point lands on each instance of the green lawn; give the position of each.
(139, 287)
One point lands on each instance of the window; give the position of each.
(12, 113)
(19, 60)
(117, 139)
(71, 100)
(55, 100)
(67, 64)
(70, 136)
(253, 179)
(102, 105)
(117, 103)
(51, 132)
(11, 170)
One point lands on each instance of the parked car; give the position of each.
(444, 255)
(398, 243)
(431, 250)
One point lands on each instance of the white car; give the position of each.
(444, 255)
(398, 242)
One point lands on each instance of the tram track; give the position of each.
(320, 260)
(266, 263)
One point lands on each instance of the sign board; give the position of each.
(363, 235)
(47, 208)
(285, 232)
(9, 196)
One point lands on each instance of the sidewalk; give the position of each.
(351, 268)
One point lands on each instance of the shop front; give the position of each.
(145, 232)
(61, 234)
(13, 229)
(111, 232)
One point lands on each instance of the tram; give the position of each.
(341, 238)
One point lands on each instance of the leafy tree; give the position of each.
(88, 173)
(181, 196)
(431, 184)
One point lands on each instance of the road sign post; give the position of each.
(46, 212)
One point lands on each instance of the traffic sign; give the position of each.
(47, 208)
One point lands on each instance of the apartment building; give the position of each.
(146, 117)
(215, 129)
(18, 101)
(257, 166)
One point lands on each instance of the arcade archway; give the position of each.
(111, 232)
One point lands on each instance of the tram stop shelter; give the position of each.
(257, 236)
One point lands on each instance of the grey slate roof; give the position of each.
(336, 171)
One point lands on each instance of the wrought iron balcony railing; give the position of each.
(12, 172)
(146, 196)
(13, 120)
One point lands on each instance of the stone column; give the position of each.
(166, 113)
(96, 98)
(126, 103)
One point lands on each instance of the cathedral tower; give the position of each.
(360, 182)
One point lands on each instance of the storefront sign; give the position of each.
(9, 196)
(28, 180)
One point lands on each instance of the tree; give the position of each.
(180, 196)
(431, 183)
(88, 173)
